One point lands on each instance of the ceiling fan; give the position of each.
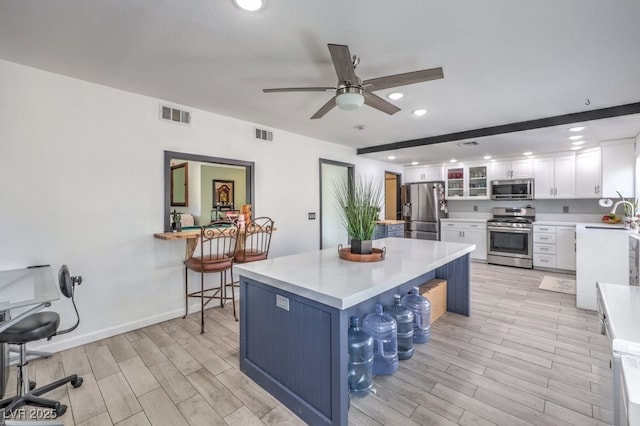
(352, 92)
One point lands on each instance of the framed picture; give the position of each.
(223, 195)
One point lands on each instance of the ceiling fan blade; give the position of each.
(343, 63)
(300, 89)
(325, 109)
(378, 103)
(403, 79)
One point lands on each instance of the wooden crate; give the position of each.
(436, 292)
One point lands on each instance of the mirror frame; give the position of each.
(173, 155)
(184, 166)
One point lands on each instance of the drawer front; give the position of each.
(543, 228)
(539, 237)
(543, 248)
(479, 226)
(396, 227)
(379, 232)
(544, 260)
(451, 225)
(395, 234)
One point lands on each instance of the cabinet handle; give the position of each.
(544, 238)
(550, 191)
(555, 191)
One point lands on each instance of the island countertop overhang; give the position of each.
(323, 277)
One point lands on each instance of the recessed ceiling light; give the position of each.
(575, 137)
(391, 157)
(528, 153)
(575, 148)
(420, 112)
(414, 163)
(453, 160)
(576, 129)
(576, 143)
(250, 5)
(395, 96)
(487, 157)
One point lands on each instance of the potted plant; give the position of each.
(360, 201)
(176, 225)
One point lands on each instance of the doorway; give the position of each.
(332, 173)
(392, 204)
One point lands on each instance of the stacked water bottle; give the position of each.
(386, 336)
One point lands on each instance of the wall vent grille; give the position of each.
(265, 135)
(175, 115)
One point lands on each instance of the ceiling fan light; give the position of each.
(349, 101)
(249, 5)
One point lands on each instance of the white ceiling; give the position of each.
(504, 62)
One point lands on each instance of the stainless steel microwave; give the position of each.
(512, 189)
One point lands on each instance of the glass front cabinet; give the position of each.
(467, 182)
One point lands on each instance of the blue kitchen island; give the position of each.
(294, 315)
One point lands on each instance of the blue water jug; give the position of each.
(404, 320)
(360, 359)
(421, 309)
(383, 329)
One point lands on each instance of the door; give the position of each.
(429, 207)
(332, 230)
(392, 196)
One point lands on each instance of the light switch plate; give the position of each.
(282, 302)
(312, 216)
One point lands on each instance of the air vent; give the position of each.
(468, 143)
(265, 135)
(175, 115)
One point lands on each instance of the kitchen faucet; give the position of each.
(615, 206)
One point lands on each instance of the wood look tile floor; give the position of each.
(524, 356)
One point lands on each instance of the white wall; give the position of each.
(81, 183)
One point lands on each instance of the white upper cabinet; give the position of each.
(588, 181)
(423, 173)
(511, 169)
(467, 182)
(554, 177)
(618, 168)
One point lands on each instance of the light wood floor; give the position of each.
(524, 356)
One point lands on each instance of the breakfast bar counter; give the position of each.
(294, 315)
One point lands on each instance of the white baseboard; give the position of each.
(57, 344)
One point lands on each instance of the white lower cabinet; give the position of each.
(554, 247)
(467, 232)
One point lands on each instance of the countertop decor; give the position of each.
(360, 201)
(376, 256)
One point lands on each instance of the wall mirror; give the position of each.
(199, 173)
(180, 185)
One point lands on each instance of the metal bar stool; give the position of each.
(217, 248)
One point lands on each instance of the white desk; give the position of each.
(33, 287)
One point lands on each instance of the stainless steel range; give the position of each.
(510, 236)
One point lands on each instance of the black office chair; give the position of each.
(40, 325)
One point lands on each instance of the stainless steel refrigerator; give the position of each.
(423, 205)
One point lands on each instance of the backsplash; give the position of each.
(550, 210)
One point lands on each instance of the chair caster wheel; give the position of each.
(60, 409)
(77, 383)
(32, 385)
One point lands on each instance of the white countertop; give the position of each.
(621, 303)
(324, 277)
(449, 219)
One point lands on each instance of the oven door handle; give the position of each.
(510, 230)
